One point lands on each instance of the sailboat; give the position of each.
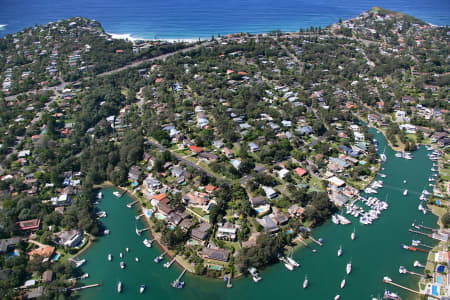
(382, 155)
(339, 253)
(305, 282)
(353, 235)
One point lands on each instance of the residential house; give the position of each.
(7, 245)
(186, 224)
(228, 152)
(253, 147)
(48, 276)
(42, 251)
(216, 254)
(296, 211)
(270, 192)
(207, 156)
(134, 173)
(268, 224)
(200, 233)
(71, 238)
(282, 173)
(196, 198)
(164, 207)
(300, 172)
(177, 171)
(257, 201)
(226, 231)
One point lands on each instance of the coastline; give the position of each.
(129, 37)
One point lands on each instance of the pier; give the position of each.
(129, 205)
(168, 264)
(315, 241)
(425, 227)
(401, 286)
(418, 232)
(86, 286)
(300, 239)
(177, 283)
(139, 216)
(139, 231)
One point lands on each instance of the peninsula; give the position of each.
(233, 148)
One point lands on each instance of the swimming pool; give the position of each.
(439, 279)
(438, 202)
(160, 216)
(435, 290)
(56, 257)
(14, 253)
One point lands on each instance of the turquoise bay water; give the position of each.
(375, 253)
(203, 18)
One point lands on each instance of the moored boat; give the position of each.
(305, 282)
(391, 295)
(122, 265)
(109, 257)
(353, 235)
(348, 268)
(147, 243)
(343, 283)
(119, 287)
(339, 253)
(405, 192)
(142, 288)
(337, 297)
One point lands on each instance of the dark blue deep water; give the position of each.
(204, 18)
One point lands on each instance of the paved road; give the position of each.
(189, 163)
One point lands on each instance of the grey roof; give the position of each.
(7, 244)
(216, 254)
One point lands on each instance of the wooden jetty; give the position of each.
(315, 241)
(129, 205)
(168, 264)
(86, 286)
(139, 231)
(306, 245)
(401, 286)
(418, 232)
(139, 216)
(425, 227)
(181, 275)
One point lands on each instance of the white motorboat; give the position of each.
(119, 287)
(353, 235)
(117, 194)
(147, 243)
(109, 257)
(142, 288)
(348, 269)
(126, 249)
(339, 253)
(99, 195)
(305, 282)
(137, 259)
(337, 297)
(289, 266)
(405, 192)
(122, 265)
(391, 295)
(402, 270)
(120, 254)
(79, 263)
(387, 279)
(342, 283)
(292, 261)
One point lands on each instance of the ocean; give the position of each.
(192, 19)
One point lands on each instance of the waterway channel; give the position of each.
(375, 252)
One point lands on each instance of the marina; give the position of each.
(383, 236)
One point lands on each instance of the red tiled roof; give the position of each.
(159, 197)
(300, 171)
(196, 149)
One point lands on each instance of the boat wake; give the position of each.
(2, 26)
